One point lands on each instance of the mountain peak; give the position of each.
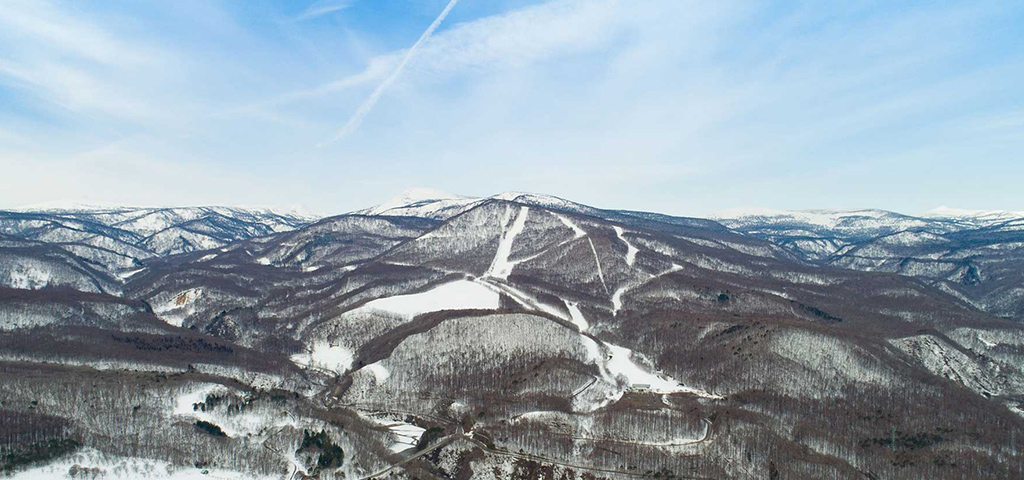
(412, 196)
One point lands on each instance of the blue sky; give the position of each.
(665, 105)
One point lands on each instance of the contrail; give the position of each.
(367, 105)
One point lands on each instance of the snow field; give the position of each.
(457, 295)
(323, 355)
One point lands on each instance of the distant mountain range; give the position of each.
(513, 336)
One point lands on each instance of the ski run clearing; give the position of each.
(501, 267)
(597, 261)
(615, 363)
(577, 231)
(617, 296)
(630, 249)
(577, 316)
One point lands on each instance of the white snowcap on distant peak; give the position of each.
(65, 205)
(741, 212)
(412, 196)
(952, 212)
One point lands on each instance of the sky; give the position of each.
(674, 106)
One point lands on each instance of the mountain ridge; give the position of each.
(595, 342)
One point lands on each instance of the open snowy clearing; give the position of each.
(615, 364)
(240, 424)
(403, 435)
(457, 295)
(380, 372)
(323, 355)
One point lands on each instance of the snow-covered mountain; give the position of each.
(976, 217)
(974, 255)
(119, 240)
(513, 336)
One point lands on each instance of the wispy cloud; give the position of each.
(76, 64)
(668, 105)
(49, 25)
(324, 7)
(364, 109)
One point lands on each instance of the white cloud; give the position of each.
(324, 7)
(46, 23)
(670, 105)
(78, 65)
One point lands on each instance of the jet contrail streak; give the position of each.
(367, 105)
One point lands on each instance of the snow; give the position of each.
(620, 363)
(380, 372)
(500, 266)
(962, 213)
(617, 296)
(521, 297)
(854, 222)
(420, 202)
(68, 205)
(823, 218)
(597, 260)
(593, 350)
(128, 274)
(127, 468)
(577, 316)
(615, 364)
(239, 424)
(457, 295)
(323, 355)
(29, 278)
(174, 310)
(617, 300)
(575, 228)
(183, 405)
(411, 196)
(630, 249)
(403, 435)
